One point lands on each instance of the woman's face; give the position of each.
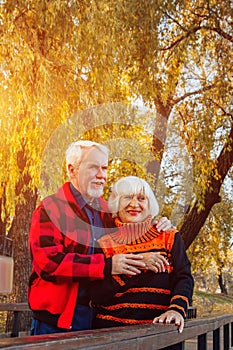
(133, 208)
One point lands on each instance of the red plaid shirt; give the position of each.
(58, 240)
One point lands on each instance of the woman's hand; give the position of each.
(130, 264)
(163, 224)
(171, 316)
(155, 261)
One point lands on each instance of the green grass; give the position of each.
(212, 304)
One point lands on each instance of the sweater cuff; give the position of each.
(178, 309)
(108, 266)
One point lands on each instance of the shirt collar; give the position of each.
(82, 201)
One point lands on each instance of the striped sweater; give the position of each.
(127, 300)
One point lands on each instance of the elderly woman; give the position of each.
(163, 290)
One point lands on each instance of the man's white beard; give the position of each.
(94, 193)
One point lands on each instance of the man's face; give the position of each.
(90, 177)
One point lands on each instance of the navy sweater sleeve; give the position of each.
(182, 282)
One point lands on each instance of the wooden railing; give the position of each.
(17, 309)
(218, 331)
(145, 337)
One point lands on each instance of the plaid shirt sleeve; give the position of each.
(58, 246)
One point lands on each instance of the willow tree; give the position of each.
(46, 76)
(177, 56)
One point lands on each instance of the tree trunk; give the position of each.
(19, 233)
(22, 264)
(222, 284)
(195, 219)
(159, 137)
(3, 222)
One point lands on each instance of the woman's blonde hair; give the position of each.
(130, 185)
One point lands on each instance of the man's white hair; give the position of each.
(130, 185)
(74, 152)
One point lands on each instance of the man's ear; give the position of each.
(71, 170)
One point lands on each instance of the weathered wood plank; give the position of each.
(17, 309)
(14, 307)
(145, 337)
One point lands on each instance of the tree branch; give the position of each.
(220, 32)
(195, 92)
(176, 42)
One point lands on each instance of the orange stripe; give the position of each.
(119, 280)
(134, 306)
(145, 289)
(180, 297)
(178, 307)
(123, 320)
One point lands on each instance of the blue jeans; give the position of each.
(82, 320)
(38, 327)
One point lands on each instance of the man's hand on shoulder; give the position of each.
(163, 224)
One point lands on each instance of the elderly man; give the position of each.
(63, 232)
